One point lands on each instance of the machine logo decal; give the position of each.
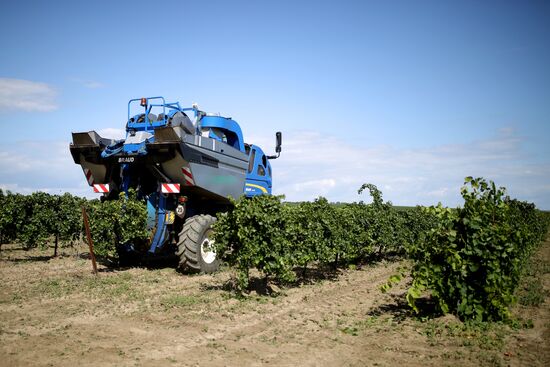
(170, 217)
(263, 189)
(126, 160)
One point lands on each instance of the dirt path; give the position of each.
(54, 312)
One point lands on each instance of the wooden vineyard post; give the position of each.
(89, 237)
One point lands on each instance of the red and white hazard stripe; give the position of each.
(89, 177)
(188, 176)
(170, 188)
(101, 188)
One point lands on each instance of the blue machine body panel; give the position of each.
(160, 234)
(229, 127)
(258, 175)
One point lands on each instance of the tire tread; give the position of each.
(189, 242)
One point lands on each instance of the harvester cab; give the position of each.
(184, 163)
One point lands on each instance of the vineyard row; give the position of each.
(469, 259)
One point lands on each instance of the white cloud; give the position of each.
(313, 164)
(48, 166)
(91, 84)
(26, 95)
(322, 186)
(112, 133)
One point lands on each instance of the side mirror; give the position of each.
(278, 142)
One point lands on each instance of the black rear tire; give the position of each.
(195, 245)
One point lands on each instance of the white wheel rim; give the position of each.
(207, 251)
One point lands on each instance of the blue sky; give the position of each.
(409, 95)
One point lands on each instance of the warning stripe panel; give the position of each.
(89, 177)
(188, 176)
(170, 188)
(101, 188)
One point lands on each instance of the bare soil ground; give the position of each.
(55, 312)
